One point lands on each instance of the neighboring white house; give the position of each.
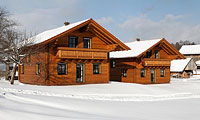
(191, 51)
(183, 68)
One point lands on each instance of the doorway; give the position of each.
(80, 72)
(152, 75)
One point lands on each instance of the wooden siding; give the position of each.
(84, 53)
(59, 52)
(134, 66)
(156, 62)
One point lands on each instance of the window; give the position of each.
(86, 42)
(113, 64)
(198, 67)
(37, 68)
(157, 54)
(162, 72)
(96, 68)
(142, 72)
(22, 69)
(29, 58)
(149, 53)
(62, 68)
(124, 73)
(73, 42)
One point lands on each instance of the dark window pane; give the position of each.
(124, 72)
(162, 72)
(198, 67)
(73, 42)
(113, 64)
(142, 72)
(86, 43)
(157, 54)
(61, 68)
(96, 68)
(149, 53)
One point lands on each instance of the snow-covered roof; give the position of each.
(179, 65)
(190, 49)
(54, 32)
(137, 47)
(198, 62)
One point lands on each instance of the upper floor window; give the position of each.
(96, 68)
(162, 72)
(157, 54)
(112, 63)
(86, 42)
(142, 73)
(73, 42)
(124, 73)
(149, 53)
(62, 68)
(37, 68)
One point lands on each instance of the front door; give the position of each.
(152, 75)
(79, 72)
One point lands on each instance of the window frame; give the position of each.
(149, 52)
(22, 68)
(113, 63)
(144, 74)
(65, 68)
(124, 72)
(37, 69)
(99, 68)
(87, 39)
(73, 44)
(157, 54)
(163, 73)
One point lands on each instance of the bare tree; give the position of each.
(16, 46)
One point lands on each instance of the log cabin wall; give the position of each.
(28, 72)
(134, 66)
(49, 60)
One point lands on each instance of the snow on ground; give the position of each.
(178, 100)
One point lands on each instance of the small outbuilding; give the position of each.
(183, 68)
(198, 66)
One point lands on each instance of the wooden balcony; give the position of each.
(156, 62)
(81, 53)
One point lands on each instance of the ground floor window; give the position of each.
(162, 72)
(96, 68)
(198, 67)
(22, 68)
(37, 68)
(62, 68)
(142, 72)
(124, 73)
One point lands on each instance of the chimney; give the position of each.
(137, 39)
(66, 23)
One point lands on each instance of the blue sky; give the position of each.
(127, 19)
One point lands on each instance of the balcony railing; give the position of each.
(156, 62)
(81, 53)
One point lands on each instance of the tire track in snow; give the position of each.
(107, 97)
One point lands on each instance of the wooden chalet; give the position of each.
(76, 53)
(147, 62)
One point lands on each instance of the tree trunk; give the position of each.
(13, 74)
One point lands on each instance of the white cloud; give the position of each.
(105, 20)
(170, 27)
(40, 19)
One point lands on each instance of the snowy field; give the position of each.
(179, 100)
